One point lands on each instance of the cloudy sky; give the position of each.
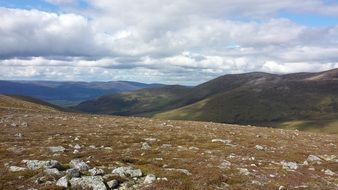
(166, 41)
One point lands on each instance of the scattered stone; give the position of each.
(18, 135)
(225, 165)
(243, 171)
(329, 172)
(150, 178)
(226, 142)
(289, 165)
(76, 151)
(281, 188)
(150, 139)
(92, 146)
(16, 169)
(56, 149)
(259, 147)
(37, 164)
(24, 124)
(145, 146)
(186, 172)
(113, 184)
(328, 157)
(96, 171)
(313, 158)
(73, 172)
(127, 172)
(79, 164)
(53, 172)
(193, 148)
(62, 182)
(77, 147)
(88, 182)
(14, 125)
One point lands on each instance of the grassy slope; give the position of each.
(133, 103)
(306, 101)
(303, 106)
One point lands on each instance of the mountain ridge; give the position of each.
(259, 98)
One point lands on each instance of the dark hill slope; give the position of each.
(253, 98)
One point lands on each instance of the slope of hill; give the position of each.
(68, 93)
(58, 150)
(133, 103)
(25, 103)
(291, 100)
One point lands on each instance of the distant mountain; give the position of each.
(68, 93)
(300, 100)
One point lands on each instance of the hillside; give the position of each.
(42, 148)
(68, 93)
(133, 103)
(305, 101)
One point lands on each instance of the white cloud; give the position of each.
(175, 41)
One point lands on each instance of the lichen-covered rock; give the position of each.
(113, 184)
(73, 172)
(88, 182)
(313, 158)
(79, 164)
(16, 169)
(56, 149)
(96, 171)
(62, 182)
(289, 165)
(53, 172)
(37, 164)
(127, 172)
(150, 178)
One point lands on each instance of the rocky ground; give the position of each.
(48, 149)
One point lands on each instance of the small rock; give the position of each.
(289, 165)
(329, 172)
(14, 125)
(79, 164)
(73, 172)
(127, 172)
(281, 188)
(313, 158)
(53, 172)
(96, 171)
(24, 124)
(88, 182)
(225, 165)
(226, 142)
(186, 172)
(62, 182)
(145, 146)
(56, 149)
(16, 169)
(243, 171)
(77, 147)
(150, 178)
(18, 135)
(37, 164)
(113, 184)
(259, 147)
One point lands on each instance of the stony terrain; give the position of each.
(42, 148)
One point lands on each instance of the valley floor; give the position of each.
(181, 154)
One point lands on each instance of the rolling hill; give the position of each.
(68, 93)
(306, 101)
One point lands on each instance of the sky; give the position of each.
(164, 41)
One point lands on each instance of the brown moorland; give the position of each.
(181, 154)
